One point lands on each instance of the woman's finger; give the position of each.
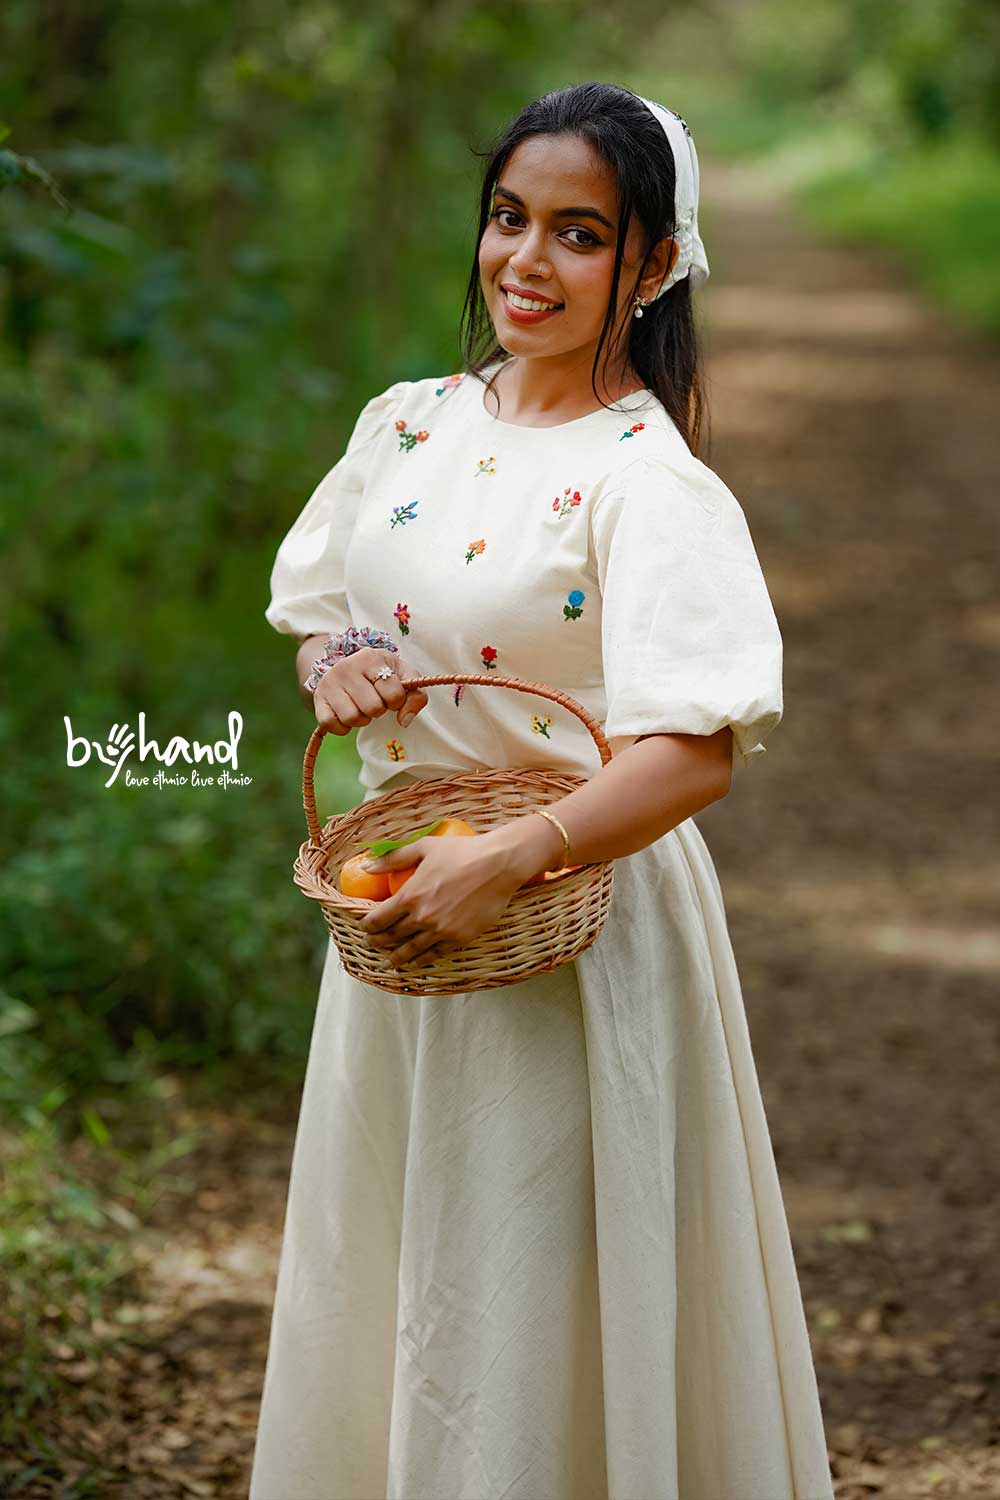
(434, 950)
(393, 933)
(331, 721)
(326, 714)
(338, 701)
(416, 946)
(367, 693)
(389, 689)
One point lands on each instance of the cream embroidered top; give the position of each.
(598, 556)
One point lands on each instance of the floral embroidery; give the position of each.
(449, 382)
(409, 440)
(474, 548)
(489, 655)
(541, 726)
(486, 465)
(572, 610)
(395, 749)
(631, 432)
(565, 502)
(403, 513)
(402, 614)
(459, 692)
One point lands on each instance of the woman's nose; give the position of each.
(530, 255)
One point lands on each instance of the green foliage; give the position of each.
(882, 122)
(906, 73)
(951, 252)
(222, 230)
(67, 1236)
(252, 212)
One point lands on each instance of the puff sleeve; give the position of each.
(690, 640)
(308, 591)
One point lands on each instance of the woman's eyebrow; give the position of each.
(560, 213)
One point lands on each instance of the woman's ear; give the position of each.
(664, 254)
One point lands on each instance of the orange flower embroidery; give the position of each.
(409, 440)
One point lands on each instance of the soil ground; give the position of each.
(858, 860)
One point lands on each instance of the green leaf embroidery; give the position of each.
(383, 846)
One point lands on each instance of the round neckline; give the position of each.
(602, 411)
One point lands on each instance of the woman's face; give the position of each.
(552, 232)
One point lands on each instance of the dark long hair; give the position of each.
(662, 345)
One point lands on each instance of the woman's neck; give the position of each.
(533, 388)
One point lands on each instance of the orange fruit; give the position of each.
(544, 875)
(447, 828)
(399, 878)
(373, 885)
(451, 828)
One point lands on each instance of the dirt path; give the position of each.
(858, 862)
(860, 433)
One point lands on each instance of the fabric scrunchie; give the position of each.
(355, 638)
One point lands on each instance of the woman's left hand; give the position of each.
(461, 887)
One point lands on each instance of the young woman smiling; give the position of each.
(535, 1245)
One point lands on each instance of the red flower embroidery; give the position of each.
(565, 502)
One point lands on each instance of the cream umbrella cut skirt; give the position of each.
(535, 1246)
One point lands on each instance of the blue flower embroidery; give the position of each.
(403, 513)
(572, 610)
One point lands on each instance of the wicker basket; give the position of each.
(543, 926)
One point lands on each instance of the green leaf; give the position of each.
(95, 1126)
(383, 846)
(16, 1016)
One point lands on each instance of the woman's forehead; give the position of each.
(545, 167)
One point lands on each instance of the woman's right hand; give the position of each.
(347, 698)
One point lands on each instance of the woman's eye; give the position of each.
(591, 239)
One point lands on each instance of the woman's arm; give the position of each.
(644, 791)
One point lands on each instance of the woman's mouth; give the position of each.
(528, 309)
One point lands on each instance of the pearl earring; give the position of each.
(640, 303)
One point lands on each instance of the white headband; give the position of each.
(691, 258)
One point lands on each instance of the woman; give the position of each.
(535, 1246)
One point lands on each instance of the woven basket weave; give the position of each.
(543, 926)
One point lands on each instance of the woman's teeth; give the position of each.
(529, 306)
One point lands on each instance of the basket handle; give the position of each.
(537, 689)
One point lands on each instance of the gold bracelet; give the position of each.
(565, 837)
